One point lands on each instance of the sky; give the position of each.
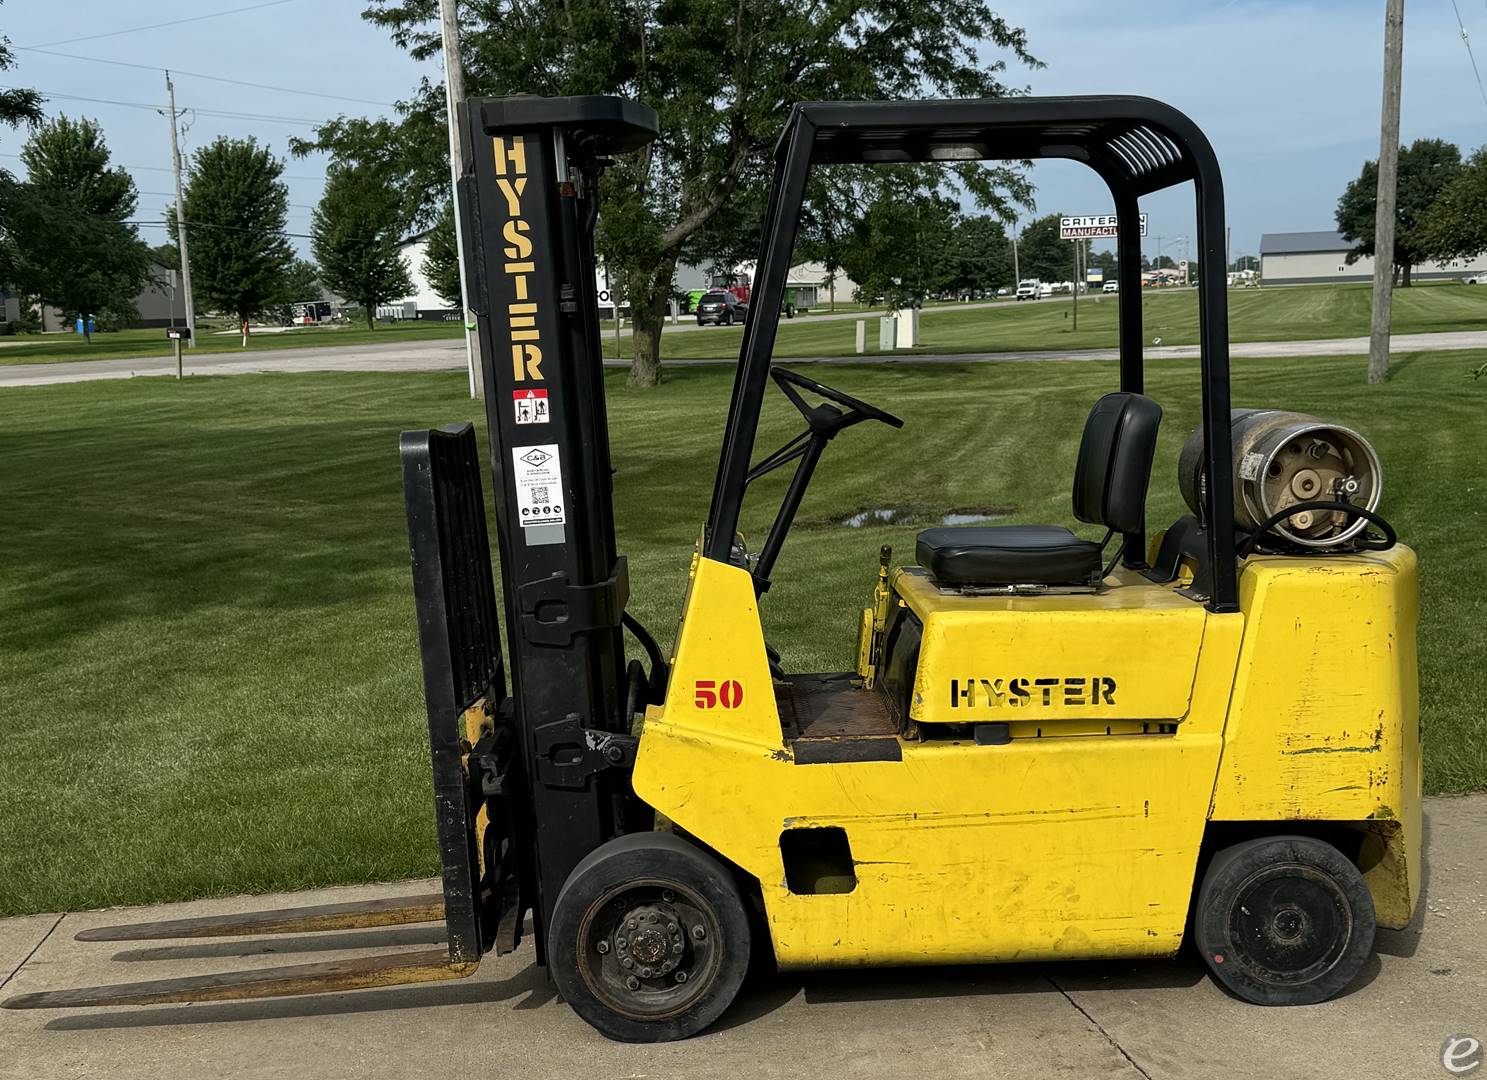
(1287, 91)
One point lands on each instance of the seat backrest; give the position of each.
(1115, 455)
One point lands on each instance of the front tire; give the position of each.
(1284, 920)
(650, 939)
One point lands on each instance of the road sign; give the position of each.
(1090, 226)
(1094, 276)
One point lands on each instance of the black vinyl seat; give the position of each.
(1110, 482)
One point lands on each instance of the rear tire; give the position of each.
(650, 939)
(1284, 920)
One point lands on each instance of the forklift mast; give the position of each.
(528, 195)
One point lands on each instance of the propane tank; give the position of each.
(1284, 458)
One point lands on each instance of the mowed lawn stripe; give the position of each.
(211, 679)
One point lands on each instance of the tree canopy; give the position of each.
(236, 210)
(441, 259)
(721, 75)
(1455, 225)
(1041, 254)
(74, 247)
(1426, 168)
(354, 234)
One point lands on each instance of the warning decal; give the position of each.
(530, 406)
(538, 472)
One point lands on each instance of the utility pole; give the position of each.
(175, 164)
(1383, 228)
(1016, 267)
(1076, 286)
(454, 92)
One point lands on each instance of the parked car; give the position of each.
(1474, 279)
(1004, 291)
(722, 308)
(1112, 286)
(1045, 290)
(1028, 290)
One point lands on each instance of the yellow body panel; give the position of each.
(1325, 721)
(1082, 656)
(1073, 846)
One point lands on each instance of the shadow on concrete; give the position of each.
(383, 938)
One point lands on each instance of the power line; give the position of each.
(237, 228)
(160, 25)
(162, 168)
(156, 108)
(213, 78)
(1467, 41)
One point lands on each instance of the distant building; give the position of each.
(159, 303)
(1314, 258)
(422, 302)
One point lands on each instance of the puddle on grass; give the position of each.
(903, 515)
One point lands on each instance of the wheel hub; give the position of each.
(650, 936)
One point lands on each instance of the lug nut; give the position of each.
(698, 933)
(646, 973)
(633, 923)
(603, 947)
(622, 942)
(676, 947)
(681, 976)
(626, 962)
(668, 895)
(632, 983)
(655, 917)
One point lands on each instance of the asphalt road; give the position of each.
(445, 355)
(1150, 1020)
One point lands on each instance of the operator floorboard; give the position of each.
(829, 718)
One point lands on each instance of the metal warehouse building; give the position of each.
(1310, 258)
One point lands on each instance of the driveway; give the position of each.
(447, 355)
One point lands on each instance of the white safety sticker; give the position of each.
(1249, 466)
(539, 484)
(530, 406)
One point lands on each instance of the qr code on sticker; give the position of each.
(539, 495)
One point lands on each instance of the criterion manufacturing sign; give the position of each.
(1091, 226)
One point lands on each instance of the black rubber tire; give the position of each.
(728, 319)
(633, 864)
(1284, 920)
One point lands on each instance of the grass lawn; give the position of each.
(127, 344)
(1297, 313)
(211, 678)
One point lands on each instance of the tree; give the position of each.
(1042, 254)
(1245, 262)
(355, 239)
(1455, 225)
(74, 247)
(236, 208)
(980, 254)
(17, 107)
(441, 259)
(722, 77)
(899, 248)
(1426, 168)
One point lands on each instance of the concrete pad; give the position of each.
(19, 939)
(1157, 1020)
(1429, 982)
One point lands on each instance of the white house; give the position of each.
(423, 302)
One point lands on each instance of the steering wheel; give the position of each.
(788, 379)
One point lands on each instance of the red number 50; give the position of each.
(711, 694)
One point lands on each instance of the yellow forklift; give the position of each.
(1051, 748)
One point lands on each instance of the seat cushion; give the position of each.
(1007, 555)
